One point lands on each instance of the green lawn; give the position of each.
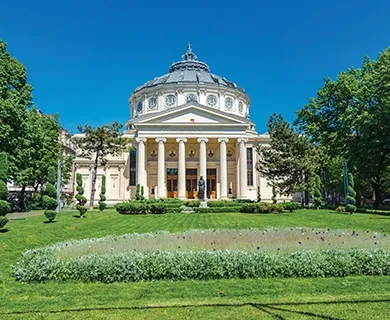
(331, 298)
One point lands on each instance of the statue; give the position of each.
(201, 185)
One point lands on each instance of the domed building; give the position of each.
(183, 125)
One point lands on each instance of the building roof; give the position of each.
(190, 70)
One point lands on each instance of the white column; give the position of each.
(141, 162)
(243, 172)
(223, 167)
(203, 161)
(161, 193)
(181, 179)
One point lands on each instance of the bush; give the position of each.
(102, 204)
(132, 207)
(157, 208)
(81, 200)
(340, 209)
(36, 201)
(49, 203)
(249, 208)
(3, 222)
(3, 191)
(278, 207)
(4, 208)
(50, 215)
(291, 206)
(217, 210)
(174, 210)
(243, 200)
(265, 207)
(42, 264)
(82, 210)
(192, 204)
(51, 191)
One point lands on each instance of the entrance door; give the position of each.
(191, 183)
(212, 183)
(171, 183)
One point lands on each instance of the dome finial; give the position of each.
(189, 55)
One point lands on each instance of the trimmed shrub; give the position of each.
(350, 207)
(132, 207)
(221, 203)
(278, 207)
(81, 200)
(42, 264)
(317, 193)
(3, 222)
(243, 201)
(157, 208)
(139, 192)
(265, 207)
(291, 206)
(4, 208)
(174, 210)
(217, 210)
(102, 204)
(49, 203)
(192, 204)
(50, 191)
(249, 208)
(340, 209)
(258, 194)
(50, 215)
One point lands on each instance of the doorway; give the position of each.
(192, 183)
(171, 183)
(211, 183)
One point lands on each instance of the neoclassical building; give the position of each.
(186, 124)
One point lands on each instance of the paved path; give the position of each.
(22, 215)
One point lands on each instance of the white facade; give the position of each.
(183, 125)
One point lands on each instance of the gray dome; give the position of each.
(190, 70)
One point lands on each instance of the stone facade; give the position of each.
(183, 125)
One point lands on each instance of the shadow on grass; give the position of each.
(4, 230)
(76, 216)
(49, 222)
(269, 308)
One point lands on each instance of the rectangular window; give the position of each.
(133, 167)
(249, 166)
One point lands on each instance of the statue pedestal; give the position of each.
(203, 204)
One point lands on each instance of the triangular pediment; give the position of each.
(192, 113)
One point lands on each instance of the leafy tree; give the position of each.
(4, 205)
(15, 98)
(97, 144)
(81, 200)
(291, 161)
(350, 205)
(350, 116)
(102, 204)
(317, 192)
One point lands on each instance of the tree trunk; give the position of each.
(93, 186)
(378, 194)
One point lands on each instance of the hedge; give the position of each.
(222, 203)
(217, 209)
(43, 264)
(142, 207)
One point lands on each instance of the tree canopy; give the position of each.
(351, 116)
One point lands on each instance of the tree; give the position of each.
(38, 150)
(81, 200)
(4, 205)
(15, 98)
(350, 116)
(317, 192)
(274, 195)
(291, 161)
(258, 194)
(351, 201)
(102, 204)
(97, 144)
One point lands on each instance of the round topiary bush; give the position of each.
(4, 208)
(50, 215)
(3, 222)
(49, 203)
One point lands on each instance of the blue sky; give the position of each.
(84, 58)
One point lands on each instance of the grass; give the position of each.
(331, 298)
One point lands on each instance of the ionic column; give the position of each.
(181, 179)
(161, 168)
(203, 161)
(243, 172)
(141, 161)
(223, 167)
